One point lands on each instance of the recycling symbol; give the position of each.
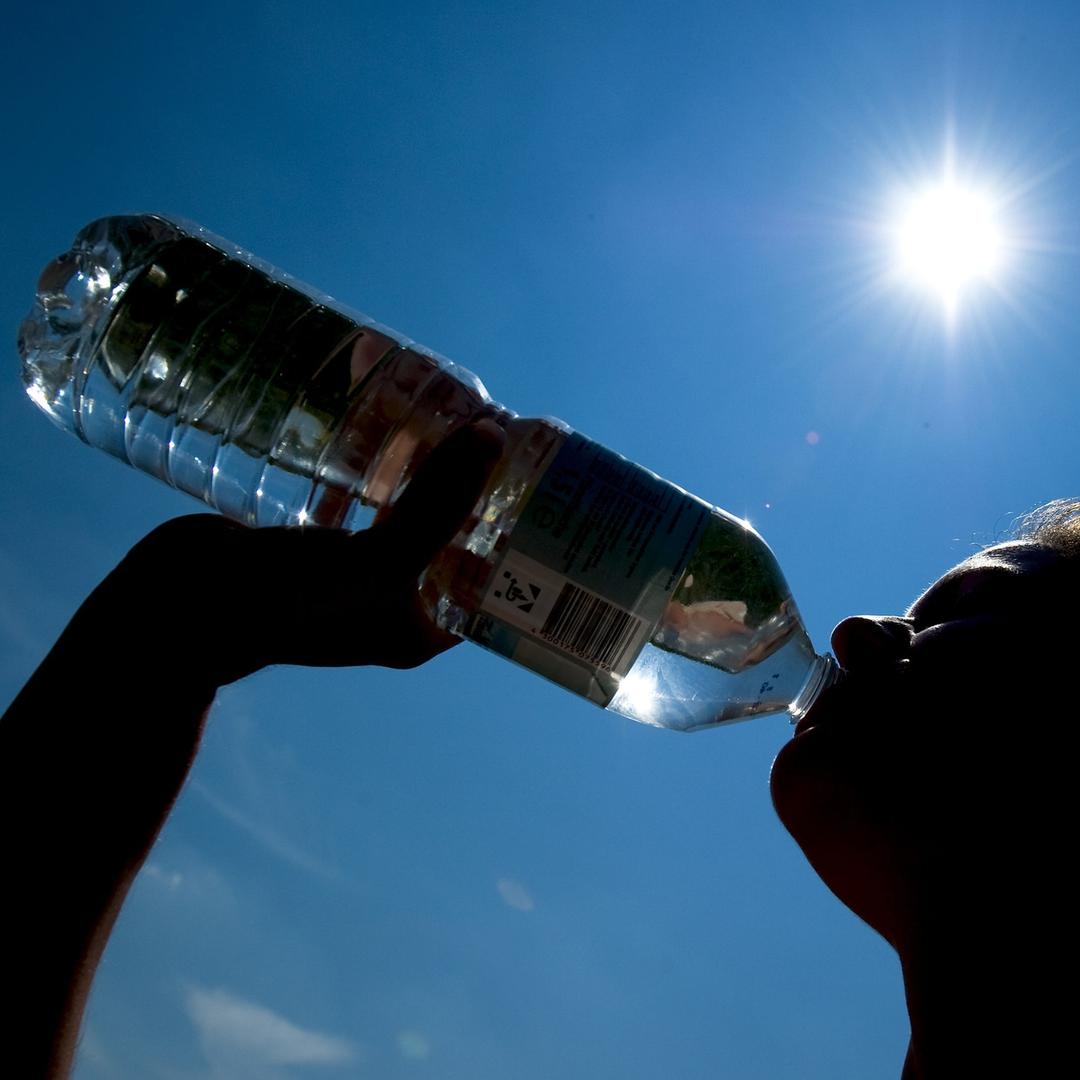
(515, 594)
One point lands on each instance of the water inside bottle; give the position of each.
(729, 643)
(195, 365)
(194, 362)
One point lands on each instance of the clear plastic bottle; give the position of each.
(190, 359)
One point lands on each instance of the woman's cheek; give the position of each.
(834, 810)
(819, 784)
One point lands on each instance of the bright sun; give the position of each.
(948, 238)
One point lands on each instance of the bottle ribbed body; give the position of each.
(195, 362)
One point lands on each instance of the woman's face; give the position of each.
(921, 782)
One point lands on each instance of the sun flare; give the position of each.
(948, 239)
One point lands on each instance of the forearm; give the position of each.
(95, 749)
(93, 753)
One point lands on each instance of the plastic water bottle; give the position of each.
(191, 360)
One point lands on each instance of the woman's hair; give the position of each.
(1055, 525)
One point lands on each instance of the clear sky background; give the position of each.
(667, 224)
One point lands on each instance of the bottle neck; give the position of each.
(824, 673)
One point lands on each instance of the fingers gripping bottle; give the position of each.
(191, 360)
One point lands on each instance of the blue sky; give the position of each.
(666, 224)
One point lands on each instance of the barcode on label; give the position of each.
(587, 626)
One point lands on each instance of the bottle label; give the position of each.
(591, 563)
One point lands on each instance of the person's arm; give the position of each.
(96, 747)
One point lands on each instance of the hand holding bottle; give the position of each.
(249, 598)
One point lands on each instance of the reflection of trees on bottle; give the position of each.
(222, 351)
(732, 607)
(231, 381)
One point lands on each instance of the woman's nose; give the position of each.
(865, 641)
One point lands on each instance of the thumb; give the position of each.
(437, 500)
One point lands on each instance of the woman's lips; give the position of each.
(835, 706)
(878, 690)
(817, 713)
(825, 706)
